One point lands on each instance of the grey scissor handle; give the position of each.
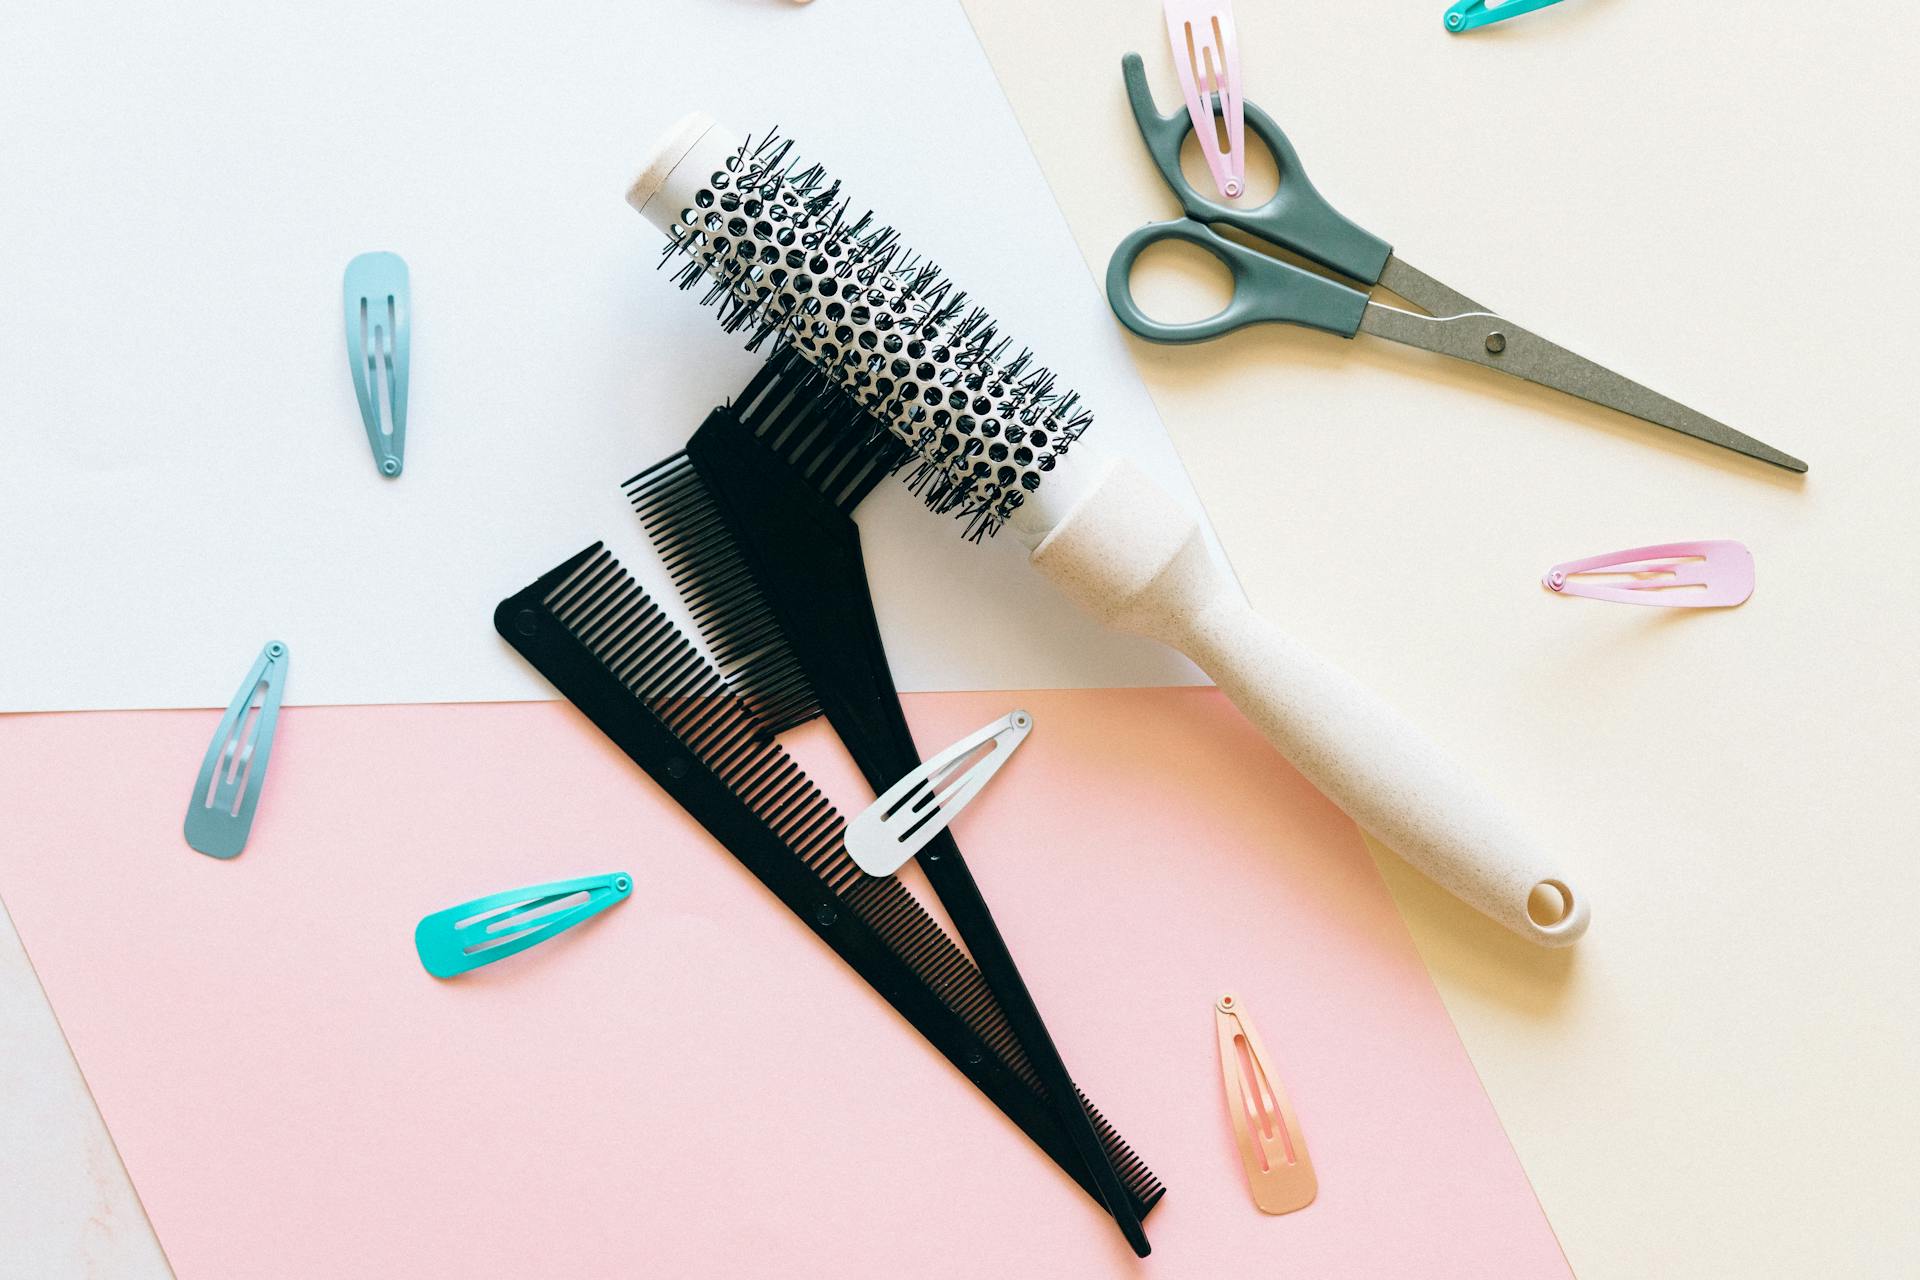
(1265, 290)
(1296, 217)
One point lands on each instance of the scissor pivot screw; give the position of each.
(1496, 343)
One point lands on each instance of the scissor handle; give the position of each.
(1265, 290)
(1297, 217)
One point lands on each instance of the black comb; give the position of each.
(597, 637)
(753, 522)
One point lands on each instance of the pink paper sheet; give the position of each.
(691, 1084)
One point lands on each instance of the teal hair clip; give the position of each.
(377, 301)
(221, 812)
(1468, 14)
(477, 933)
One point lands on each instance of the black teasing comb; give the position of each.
(753, 522)
(597, 637)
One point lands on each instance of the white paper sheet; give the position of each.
(183, 473)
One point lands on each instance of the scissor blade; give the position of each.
(1488, 340)
(1423, 291)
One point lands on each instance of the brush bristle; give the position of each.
(787, 264)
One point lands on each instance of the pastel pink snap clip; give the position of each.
(1673, 575)
(1206, 52)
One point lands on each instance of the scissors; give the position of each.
(1298, 218)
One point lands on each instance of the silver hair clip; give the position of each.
(921, 805)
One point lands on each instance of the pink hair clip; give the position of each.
(1207, 54)
(1272, 1149)
(1674, 575)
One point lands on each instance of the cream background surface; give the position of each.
(1719, 201)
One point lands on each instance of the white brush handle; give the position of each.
(1129, 555)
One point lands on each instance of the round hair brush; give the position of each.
(990, 432)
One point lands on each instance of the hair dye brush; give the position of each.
(983, 428)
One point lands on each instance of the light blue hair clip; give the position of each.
(221, 812)
(476, 933)
(377, 301)
(1468, 14)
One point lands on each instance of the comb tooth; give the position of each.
(620, 643)
(848, 454)
(673, 678)
(683, 680)
(735, 744)
(821, 846)
(793, 799)
(591, 614)
(783, 409)
(724, 601)
(776, 783)
(631, 650)
(605, 619)
(657, 473)
(814, 825)
(666, 494)
(708, 725)
(709, 575)
(771, 788)
(625, 647)
(579, 585)
(722, 592)
(756, 774)
(717, 580)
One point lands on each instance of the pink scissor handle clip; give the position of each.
(1675, 575)
(1207, 54)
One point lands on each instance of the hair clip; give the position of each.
(1676, 575)
(220, 814)
(1468, 14)
(377, 301)
(914, 810)
(1271, 1146)
(1207, 54)
(477, 933)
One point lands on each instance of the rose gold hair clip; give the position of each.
(1271, 1146)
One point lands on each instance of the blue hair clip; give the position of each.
(377, 302)
(476, 933)
(221, 812)
(1468, 14)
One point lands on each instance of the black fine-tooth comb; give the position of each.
(753, 522)
(590, 629)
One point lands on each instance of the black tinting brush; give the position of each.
(753, 523)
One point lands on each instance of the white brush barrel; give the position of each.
(1130, 556)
